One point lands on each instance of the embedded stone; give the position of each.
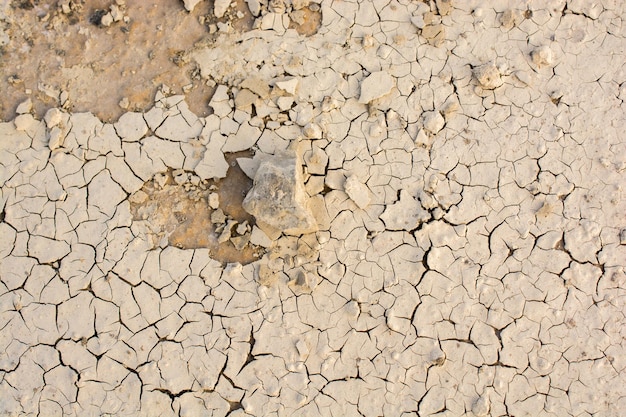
(278, 197)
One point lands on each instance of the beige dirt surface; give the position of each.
(294, 208)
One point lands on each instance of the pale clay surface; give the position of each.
(464, 161)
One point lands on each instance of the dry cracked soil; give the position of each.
(312, 208)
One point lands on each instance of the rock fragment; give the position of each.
(117, 12)
(249, 166)
(240, 242)
(218, 217)
(106, 20)
(444, 7)
(220, 7)
(542, 56)
(244, 99)
(357, 191)
(488, 76)
(53, 117)
(213, 164)
(259, 238)
(24, 107)
(227, 231)
(220, 102)
(190, 4)
(433, 122)
(257, 86)
(289, 85)
(214, 200)
(278, 197)
(245, 138)
(243, 228)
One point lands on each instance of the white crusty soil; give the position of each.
(464, 162)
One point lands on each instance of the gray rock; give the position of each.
(278, 197)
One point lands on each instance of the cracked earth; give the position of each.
(313, 208)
